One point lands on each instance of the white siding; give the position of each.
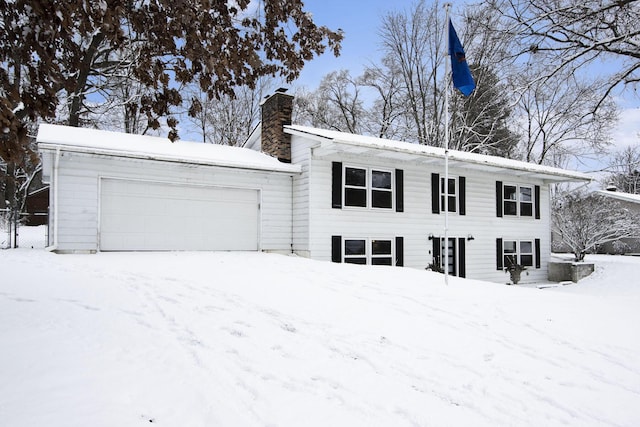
(78, 197)
(301, 155)
(417, 221)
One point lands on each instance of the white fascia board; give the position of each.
(91, 141)
(490, 163)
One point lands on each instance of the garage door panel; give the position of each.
(136, 215)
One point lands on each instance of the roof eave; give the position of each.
(53, 146)
(328, 146)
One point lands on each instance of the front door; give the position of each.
(455, 253)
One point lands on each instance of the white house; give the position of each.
(631, 202)
(317, 193)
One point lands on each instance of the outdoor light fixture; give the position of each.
(430, 236)
(470, 237)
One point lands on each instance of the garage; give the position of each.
(156, 216)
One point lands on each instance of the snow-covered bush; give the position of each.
(584, 221)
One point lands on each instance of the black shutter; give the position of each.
(399, 190)
(336, 248)
(537, 253)
(436, 251)
(499, 262)
(336, 185)
(435, 193)
(536, 200)
(499, 198)
(399, 251)
(462, 272)
(462, 196)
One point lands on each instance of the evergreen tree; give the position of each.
(479, 121)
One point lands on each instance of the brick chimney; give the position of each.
(276, 113)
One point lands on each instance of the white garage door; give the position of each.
(137, 215)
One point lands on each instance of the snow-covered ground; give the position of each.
(250, 339)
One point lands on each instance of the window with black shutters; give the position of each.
(517, 200)
(368, 188)
(518, 252)
(370, 251)
(452, 194)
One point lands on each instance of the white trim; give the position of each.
(341, 141)
(518, 200)
(117, 144)
(368, 187)
(368, 249)
(444, 195)
(518, 253)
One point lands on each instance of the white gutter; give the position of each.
(133, 154)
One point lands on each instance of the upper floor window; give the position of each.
(362, 187)
(355, 187)
(451, 194)
(368, 188)
(456, 194)
(517, 200)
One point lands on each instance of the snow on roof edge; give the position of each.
(620, 195)
(119, 144)
(430, 151)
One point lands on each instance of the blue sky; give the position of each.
(360, 21)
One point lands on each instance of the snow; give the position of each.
(248, 339)
(550, 173)
(150, 147)
(620, 195)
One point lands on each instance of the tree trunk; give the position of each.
(77, 97)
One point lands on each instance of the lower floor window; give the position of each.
(518, 252)
(368, 251)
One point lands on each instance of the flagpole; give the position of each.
(447, 6)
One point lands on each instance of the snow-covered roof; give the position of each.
(119, 144)
(627, 197)
(400, 150)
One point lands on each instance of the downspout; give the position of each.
(56, 165)
(291, 211)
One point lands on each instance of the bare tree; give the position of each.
(230, 119)
(386, 117)
(336, 104)
(558, 118)
(625, 170)
(413, 42)
(566, 35)
(583, 222)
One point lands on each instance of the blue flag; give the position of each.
(462, 79)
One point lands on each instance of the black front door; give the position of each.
(455, 253)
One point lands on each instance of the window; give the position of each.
(517, 252)
(381, 192)
(355, 187)
(368, 251)
(368, 188)
(456, 189)
(452, 194)
(381, 252)
(518, 200)
(355, 251)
